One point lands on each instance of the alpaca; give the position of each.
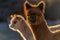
(35, 17)
(19, 24)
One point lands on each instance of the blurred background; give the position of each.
(9, 7)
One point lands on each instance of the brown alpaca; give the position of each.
(19, 24)
(35, 18)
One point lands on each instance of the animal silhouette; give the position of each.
(35, 17)
(18, 23)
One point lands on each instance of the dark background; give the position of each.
(8, 7)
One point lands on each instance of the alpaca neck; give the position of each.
(24, 31)
(41, 31)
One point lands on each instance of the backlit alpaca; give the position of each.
(35, 17)
(19, 24)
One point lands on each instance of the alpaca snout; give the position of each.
(10, 26)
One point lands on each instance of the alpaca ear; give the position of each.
(13, 15)
(28, 6)
(41, 6)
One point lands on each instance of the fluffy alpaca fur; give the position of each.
(19, 24)
(35, 17)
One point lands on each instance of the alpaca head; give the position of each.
(16, 22)
(34, 13)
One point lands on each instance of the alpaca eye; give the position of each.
(15, 22)
(33, 18)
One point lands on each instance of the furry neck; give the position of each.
(41, 31)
